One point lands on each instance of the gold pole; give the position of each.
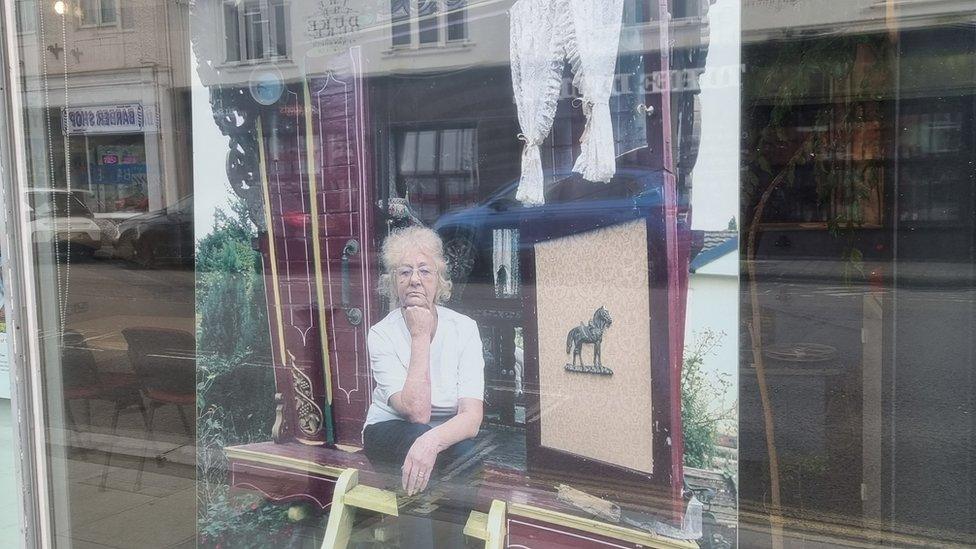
(316, 245)
(269, 226)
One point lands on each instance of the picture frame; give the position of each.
(565, 431)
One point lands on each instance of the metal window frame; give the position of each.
(27, 402)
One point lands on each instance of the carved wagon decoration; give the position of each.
(310, 154)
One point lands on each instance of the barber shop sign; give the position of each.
(108, 119)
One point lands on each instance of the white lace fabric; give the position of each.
(592, 30)
(537, 61)
(544, 33)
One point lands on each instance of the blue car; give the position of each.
(572, 204)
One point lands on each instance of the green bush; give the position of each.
(699, 390)
(235, 382)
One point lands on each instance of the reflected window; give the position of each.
(630, 126)
(400, 16)
(933, 173)
(436, 168)
(427, 22)
(255, 30)
(99, 13)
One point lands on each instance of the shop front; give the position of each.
(109, 158)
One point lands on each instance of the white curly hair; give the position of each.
(408, 239)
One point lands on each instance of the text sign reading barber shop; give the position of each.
(104, 119)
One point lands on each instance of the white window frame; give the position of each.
(268, 30)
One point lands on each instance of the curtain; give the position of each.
(592, 33)
(545, 33)
(537, 62)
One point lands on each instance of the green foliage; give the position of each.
(229, 280)
(243, 521)
(235, 382)
(699, 392)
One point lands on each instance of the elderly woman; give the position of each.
(427, 363)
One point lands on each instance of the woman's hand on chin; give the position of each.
(419, 320)
(419, 465)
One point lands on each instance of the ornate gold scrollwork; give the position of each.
(310, 417)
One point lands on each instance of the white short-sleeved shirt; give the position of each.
(457, 365)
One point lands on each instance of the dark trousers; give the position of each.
(386, 445)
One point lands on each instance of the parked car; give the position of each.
(161, 237)
(59, 218)
(469, 233)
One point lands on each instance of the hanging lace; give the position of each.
(537, 61)
(545, 33)
(591, 30)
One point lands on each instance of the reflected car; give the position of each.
(571, 201)
(60, 219)
(161, 237)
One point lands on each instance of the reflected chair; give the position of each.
(164, 362)
(79, 377)
(82, 381)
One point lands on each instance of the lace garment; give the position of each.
(591, 33)
(537, 62)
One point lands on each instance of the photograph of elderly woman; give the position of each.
(419, 323)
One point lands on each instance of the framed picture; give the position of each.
(601, 382)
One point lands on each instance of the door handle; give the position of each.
(353, 314)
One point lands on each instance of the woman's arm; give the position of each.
(413, 401)
(463, 426)
(419, 464)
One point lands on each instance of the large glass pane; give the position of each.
(562, 273)
(108, 208)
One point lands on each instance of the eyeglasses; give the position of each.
(405, 273)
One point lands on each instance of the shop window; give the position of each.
(99, 13)
(111, 171)
(842, 182)
(427, 22)
(934, 174)
(436, 168)
(255, 30)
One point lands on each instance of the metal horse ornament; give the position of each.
(589, 333)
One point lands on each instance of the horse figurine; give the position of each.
(589, 333)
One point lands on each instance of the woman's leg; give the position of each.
(386, 445)
(389, 441)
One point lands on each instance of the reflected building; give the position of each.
(858, 125)
(111, 104)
